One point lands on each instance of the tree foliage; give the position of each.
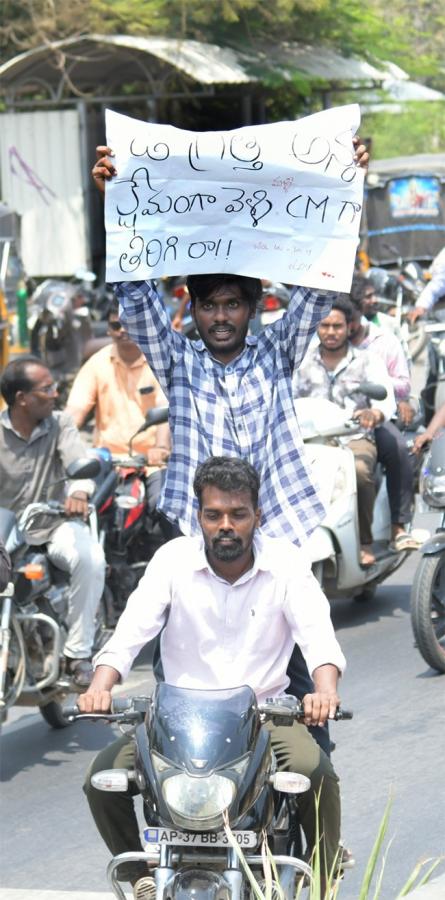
(410, 33)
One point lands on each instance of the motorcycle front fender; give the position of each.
(435, 545)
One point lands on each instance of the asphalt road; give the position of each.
(394, 746)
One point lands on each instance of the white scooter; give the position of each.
(334, 547)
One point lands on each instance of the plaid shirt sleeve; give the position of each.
(147, 321)
(294, 330)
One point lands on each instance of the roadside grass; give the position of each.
(372, 882)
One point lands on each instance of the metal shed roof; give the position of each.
(321, 62)
(99, 59)
(98, 64)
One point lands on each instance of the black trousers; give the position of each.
(393, 455)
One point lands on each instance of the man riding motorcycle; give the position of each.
(231, 392)
(36, 447)
(231, 603)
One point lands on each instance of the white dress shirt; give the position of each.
(222, 635)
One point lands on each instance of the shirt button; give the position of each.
(229, 370)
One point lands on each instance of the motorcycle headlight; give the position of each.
(432, 488)
(202, 799)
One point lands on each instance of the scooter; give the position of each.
(334, 547)
(207, 775)
(428, 590)
(33, 613)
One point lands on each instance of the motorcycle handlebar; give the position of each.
(294, 709)
(128, 710)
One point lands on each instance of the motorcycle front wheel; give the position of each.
(52, 712)
(428, 610)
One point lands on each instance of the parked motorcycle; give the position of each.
(334, 546)
(428, 590)
(33, 615)
(129, 535)
(203, 759)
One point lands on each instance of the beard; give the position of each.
(227, 552)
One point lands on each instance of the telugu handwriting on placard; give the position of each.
(186, 202)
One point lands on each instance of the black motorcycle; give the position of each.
(33, 614)
(428, 590)
(208, 779)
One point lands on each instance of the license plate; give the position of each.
(198, 838)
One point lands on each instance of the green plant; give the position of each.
(374, 870)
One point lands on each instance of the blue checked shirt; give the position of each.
(242, 409)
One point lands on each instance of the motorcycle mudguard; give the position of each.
(199, 884)
(434, 545)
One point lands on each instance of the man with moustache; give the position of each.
(230, 603)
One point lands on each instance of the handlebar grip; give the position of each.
(121, 704)
(343, 714)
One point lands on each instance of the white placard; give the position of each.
(280, 201)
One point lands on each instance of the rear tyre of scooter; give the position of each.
(428, 610)
(52, 712)
(367, 594)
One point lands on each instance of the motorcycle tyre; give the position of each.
(52, 712)
(105, 619)
(428, 572)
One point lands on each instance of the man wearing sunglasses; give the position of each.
(37, 445)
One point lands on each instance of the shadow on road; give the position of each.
(43, 746)
(390, 601)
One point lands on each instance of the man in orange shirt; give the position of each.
(113, 382)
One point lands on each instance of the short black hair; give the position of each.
(229, 474)
(15, 377)
(359, 286)
(344, 305)
(113, 309)
(202, 286)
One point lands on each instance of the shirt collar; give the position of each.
(41, 428)
(251, 341)
(136, 364)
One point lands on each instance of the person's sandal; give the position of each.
(404, 541)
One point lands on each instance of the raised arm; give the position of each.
(142, 311)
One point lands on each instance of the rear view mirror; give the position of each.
(373, 391)
(85, 467)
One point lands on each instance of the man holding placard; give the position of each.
(230, 393)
